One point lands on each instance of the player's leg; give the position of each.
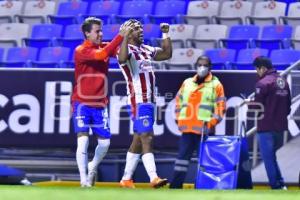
(101, 128)
(132, 160)
(144, 127)
(81, 127)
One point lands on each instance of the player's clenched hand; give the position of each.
(164, 27)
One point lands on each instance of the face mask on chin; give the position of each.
(202, 71)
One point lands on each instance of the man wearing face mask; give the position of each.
(200, 106)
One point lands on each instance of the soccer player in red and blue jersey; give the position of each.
(89, 98)
(135, 59)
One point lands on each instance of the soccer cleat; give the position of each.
(159, 182)
(85, 185)
(127, 184)
(92, 176)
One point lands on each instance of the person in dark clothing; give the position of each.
(273, 99)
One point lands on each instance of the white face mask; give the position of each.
(202, 71)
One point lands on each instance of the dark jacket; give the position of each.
(273, 92)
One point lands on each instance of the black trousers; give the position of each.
(188, 143)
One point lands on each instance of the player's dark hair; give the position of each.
(88, 23)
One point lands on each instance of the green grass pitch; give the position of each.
(77, 193)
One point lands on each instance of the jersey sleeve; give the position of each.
(90, 54)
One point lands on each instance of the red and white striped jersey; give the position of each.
(139, 74)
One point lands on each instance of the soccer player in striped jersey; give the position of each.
(89, 98)
(135, 59)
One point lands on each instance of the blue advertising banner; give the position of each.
(35, 107)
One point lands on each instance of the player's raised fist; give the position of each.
(164, 27)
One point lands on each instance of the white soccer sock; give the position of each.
(149, 164)
(132, 159)
(82, 157)
(100, 152)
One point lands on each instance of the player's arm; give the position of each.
(89, 54)
(123, 51)
(165, 52)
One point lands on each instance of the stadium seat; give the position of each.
(8, 9)
(234, 12)
(42, 35)
(72, 37)
(283, 58)
(20, 57)
(135, 9)
(267, 12)
(151, 33)
(184, 58)
(272, 36)
(200, 12)
(246, 57)
(110, 31)
(52, 57)
(179, 33)
(1, 54)
(207, 36)
(113, 63)
(293, 16)
(296, 39)
(68, 12)
(221, 58)
(11, 34)
(36, 12)
(105, 10)
(70, 43)
(73, 31)
(239, 37)
(168, 11)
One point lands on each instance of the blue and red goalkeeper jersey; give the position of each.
(91, 67)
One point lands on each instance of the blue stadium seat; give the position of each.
(70, 43)
(72, 37)
(20, 57)
(110, 31)
(135, 9)
(221, 58)
(151, 31)
(113, 63)
(73, 31)
(272, 36)
(168, 11)
(52, 57)
(246, 57)
(68, 12)
(105, 10)
(283, 58)
(239, 37)
(1, 54)
(42, 35)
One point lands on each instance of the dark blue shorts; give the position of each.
(143, 119)
(94, 118)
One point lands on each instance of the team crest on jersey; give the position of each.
(145, 122)
(280, 83)
(80, 123)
